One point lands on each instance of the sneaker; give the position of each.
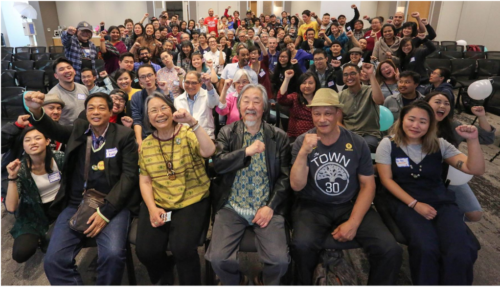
(257, 280)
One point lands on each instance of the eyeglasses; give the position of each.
(162, 109)
(149, 76)
(118, 100)
(191, 83)
(319, 59)
(352, 74)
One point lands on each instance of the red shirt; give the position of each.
(371, 41)
(300, 115)
(178, 36)
(211, 23)
(113, 119)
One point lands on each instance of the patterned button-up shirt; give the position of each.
(73, 52)
(250, 190)
(170, 76)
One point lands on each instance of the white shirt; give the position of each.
(203, 107)
(48, 184)
(215, 59)
(231, 69)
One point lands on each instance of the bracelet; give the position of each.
(193, 125)
(102, 39)
(412, 203)
(196, 127)
(13, 179)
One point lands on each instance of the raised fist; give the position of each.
(127, 121)
(289, 74)
(294, 61)
(415, 14)
(424, 21)
(421, 35)
(162, 85)
(349, 34)
(103, 74)
(71, 30)
(310, 142)
(368, 68)
(366, 17)
(103, 34)
(23, 120)
(256, 39)
(13, 168)
(228, 83)
(34, 100)
(353, 6)
(255, 148)
(477, 111)
(146, 15)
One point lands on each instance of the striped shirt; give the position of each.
(191, 182)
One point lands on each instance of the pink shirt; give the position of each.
(231, 108)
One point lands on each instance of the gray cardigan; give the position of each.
(395, 103)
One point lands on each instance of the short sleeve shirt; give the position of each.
(302, 30)
(211, 23)
(361, 114)
(333, 170)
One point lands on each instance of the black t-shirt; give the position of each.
(408, 101)
(86, 62)
(334, 169)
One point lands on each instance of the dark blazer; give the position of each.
(122, 172)
(230, 157)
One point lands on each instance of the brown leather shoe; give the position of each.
(257, 280)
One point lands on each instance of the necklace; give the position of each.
(416, 175)
(168, 163)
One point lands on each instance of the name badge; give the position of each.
(136, 80)
(176, 83)
(55, 176)
(362, 59)
(261, 74)
(166, 216)
(82, 97)
(412, 59)
(367, 37)
(402, 162)
(111, 152)
(331, 83)
(275, 63)
(339, 58)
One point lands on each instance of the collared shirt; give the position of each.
(138, 64)
(273, 59)
(250, 190)
(172, 78)
(322, 77)
(97, 142)
(191, 101)
(231, 69)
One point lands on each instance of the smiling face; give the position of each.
(138, 29)
(351, 76)
(150, 30)
(160, 114)
(241, 83)
(416, 123)
(53, 111)
(157, 34)
(166, 59)
(243, 57)
(283, 59)
(320, 61)
(325, 119)
(88, 79)
(129, 26)
(144, 56)
(191, 84)
(254, 56)
(124, 81)
(407, 31)
(84, 35)
(197, 61)
(334, 29)
(118, 104)
(336, 49)
(441, 106)
(35, 143)
(308, 86)
(358, 26)
(127, 63)
(251, 107)
(376, 24)
(355, 57)
(65, 73)
(387, 71)
(362, 44)
(407, 48)
(98, 112)
(388, 33)
(147, 78)
(326, 20)
(406, 85)
(398, 19)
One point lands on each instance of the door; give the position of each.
(253, 7)
(423, 7)
(202, 8)
(175, 8)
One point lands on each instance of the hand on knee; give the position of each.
(474, 216)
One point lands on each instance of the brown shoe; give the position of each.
(243, 279)
(257, 280)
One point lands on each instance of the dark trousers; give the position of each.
(313, 222)
(441, 250)
(183, 233)
(372, 142)
(25, 246)
(65, 244)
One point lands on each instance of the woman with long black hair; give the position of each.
(137, 32)
(33, 184)
(148, 40)
(184, 56)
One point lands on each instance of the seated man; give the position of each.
(361, 111)
(253, 160)
(243, 61)
(113, 157)
(71, 93)
(126, 62)
(198, 101)
(328, 75)
(407, 87)
(332, 174)
(90, 76)
(145, 58)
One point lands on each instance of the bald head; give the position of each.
(398, 19)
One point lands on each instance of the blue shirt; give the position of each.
(273, 60)
(138, 64)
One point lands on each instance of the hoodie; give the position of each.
(446, 88)
(381, 48)
(395, 103)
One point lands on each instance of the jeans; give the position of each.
(465, 198)
(66, 243)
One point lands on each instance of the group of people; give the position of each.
(174, 95)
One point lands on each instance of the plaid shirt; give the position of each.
(72, 50)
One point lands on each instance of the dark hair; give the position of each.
(302, 79)
(126, 54)
(306, 12)
(411, 74)
(309, 30)
(204, 35)
(253, 48)
(146, 123)
(353, 66)
(341, 16)
(388, 25)
(120, 72)
(142, 49)
(162, 28)
(48, 151)
(121, 26)
(111, 28)
(121, 93)
(446, 74)
(413, 27)
(403, 58)
(145, 66)
(174, 26)
(167, 51)
(145, 35)
(128, 21)
(59, 61)
(320, 51)
(180, 26)
(105, 96)
(185, 44)
(445, 127)
(89, 69)
(296, 20)
(134, 35)
(326, 14)
(203, 65)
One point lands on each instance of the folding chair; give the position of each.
(22, 50)
(464, 71)
(35, 50)
(7, 57)
(7, 50)
(433, 64)
(448, 43)
(487, 68)
(56, 49)
(22, 56)
(40, 56)
(32, 80)
(474, 55)
(493, 55)
(9, 78)
(452, 54)
(99, 64)
(23, 65)
(457, 48)
(12, 97)
(54, 56)
(5, 65)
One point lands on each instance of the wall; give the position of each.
(448, 20)
(14, 30)
(50, 19)
(313, 6)
(202, 8)
(112, 13)
(479, 24)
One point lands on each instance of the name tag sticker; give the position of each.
(55, 176)
(403, 162)
(111, 152)
(412, 59)
(176, 83)
(82, 97)
(166, 216)
(331, 83)
(261, 74)
(339, 58)
(136, 80)
(275, 63)
(367, 37)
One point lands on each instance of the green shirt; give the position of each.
(361, 114)
(250, 190)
